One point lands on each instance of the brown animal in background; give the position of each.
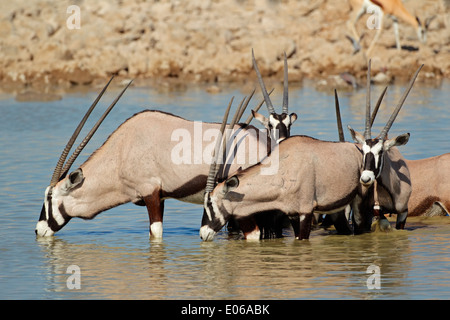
(396, 10)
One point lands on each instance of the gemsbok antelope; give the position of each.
(268, 224)
(313, 176)
(384, 167)
(150, 157)
(429, 194)
(396, 10)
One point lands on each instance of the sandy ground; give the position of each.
(44, 45)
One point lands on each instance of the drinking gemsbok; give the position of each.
(150, 157)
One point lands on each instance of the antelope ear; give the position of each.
(74, 180)
(357, 137)
(293, 117)
(397, 141)
(230, 184)
(264, 121)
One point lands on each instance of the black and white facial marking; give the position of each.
(279, 125)
(214, 215)
(53, 217)
(374, 151)
(373, 161)
(53, 214)
(213, 220)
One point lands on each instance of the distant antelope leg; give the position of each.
(233, 226)
(271, 223)
(155, 208)
(304, 227)
(401, 220)
(340, 222)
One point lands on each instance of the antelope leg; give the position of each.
(304, 227)
(233, 226)
(340, 222)
(271, 223)
(250, 228)
(155, 208)
(401, 220)
(295, 223)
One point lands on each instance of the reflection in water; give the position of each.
(185, 268)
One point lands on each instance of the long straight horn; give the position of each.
(338, 117)
(285, 85)
(244, 107)
(210, 182)
(226, 137)
(385, 131)
(377, 106)
(88, 137)
(263, 87)
(64, 154)
(367, 131)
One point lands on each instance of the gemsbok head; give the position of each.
(278, 125)
(53, 214)
(375, 149)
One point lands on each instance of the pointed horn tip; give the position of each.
(269, 105)
(86, 140)
(129, 83)
(285, 107)
(391, 120)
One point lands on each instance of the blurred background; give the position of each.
(64, 43)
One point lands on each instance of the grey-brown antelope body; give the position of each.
(430, 194)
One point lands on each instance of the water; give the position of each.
(115, 258)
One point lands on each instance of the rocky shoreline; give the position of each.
(43, 46)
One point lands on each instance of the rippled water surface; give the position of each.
(117, 260)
